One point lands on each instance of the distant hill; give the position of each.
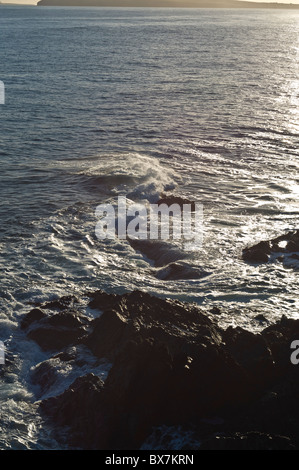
(168, 3)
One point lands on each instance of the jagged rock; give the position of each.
(55, 331)
(140, 314)
(67, 301)
(293, 243)
(252, 352)
(102, 301)
(171, 365)
(51, 339)
(83, 408)
(33, 316)
(215, 311)
(286, 244)
(46, 373)
(261, 318)
(107, 335)
(279, 338)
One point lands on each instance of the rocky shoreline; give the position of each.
(172, 367)
(135, 371)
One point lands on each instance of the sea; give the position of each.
(200, 104)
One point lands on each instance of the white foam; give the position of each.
(134, 175)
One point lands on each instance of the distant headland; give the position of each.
(169, 4)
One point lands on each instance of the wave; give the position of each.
(137, 176)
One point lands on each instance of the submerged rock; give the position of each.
(261, 318)
(160, 253)
(67, 301)
(46, 373)
(33, 316)
(101, 300)
(180, 271)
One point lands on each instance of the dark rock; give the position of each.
(56, 331)
(83, 408)
(170, 363)
(173, 365)
(293, 243)
(140, 314)
(261, 318)
(66, 356)
(262, 252)
(33, 316)
(216, 311)
(52, 339)
(69, 319)
(47, 373)
(274, 412)
(107, 335)
(177, 271)
(258, 253)
(138, 385)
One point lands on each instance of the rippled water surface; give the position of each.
(202, 104)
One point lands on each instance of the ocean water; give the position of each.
(202, 104)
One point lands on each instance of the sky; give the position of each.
(33, 2)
